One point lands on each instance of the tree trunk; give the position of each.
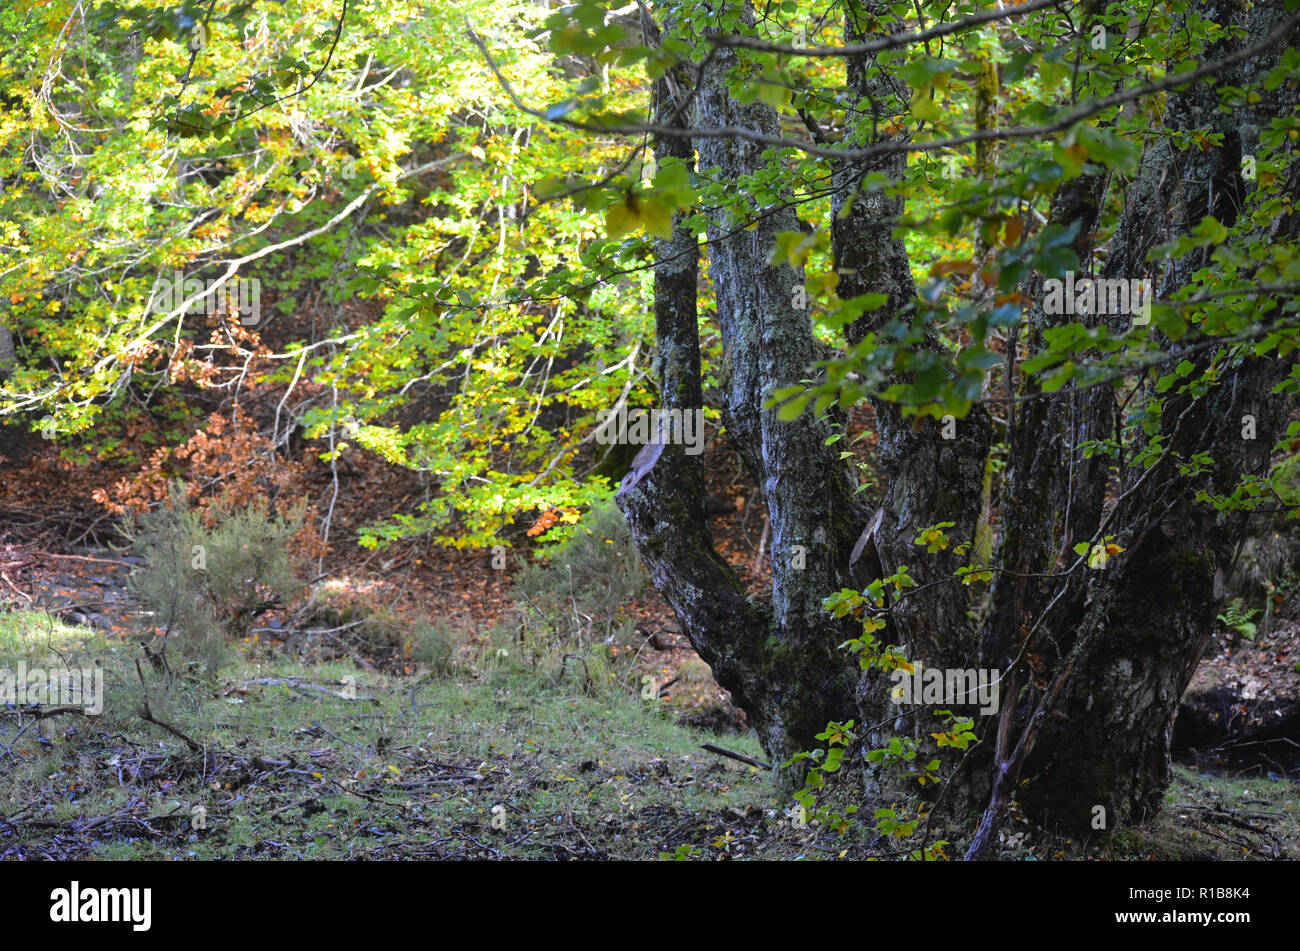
(780, 660)
(1101, 752)
(930, 479)
(1094, 661)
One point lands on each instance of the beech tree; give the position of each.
(1045, 251)
(356, 164)
(1052, 246)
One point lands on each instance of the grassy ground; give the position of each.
(1220, 817)
(503, 764)
(273, 759)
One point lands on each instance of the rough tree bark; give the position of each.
(1096, 660)
(779, 659)
(929, 478)
(1144, 622)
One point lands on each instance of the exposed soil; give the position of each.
(1241, 711)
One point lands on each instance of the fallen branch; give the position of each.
(41, 713)
(296, 684)
(37, 715)
(21, 593)
(99, 561)
(664, 687)
(147, 715)
(305, 631)
(736, 756)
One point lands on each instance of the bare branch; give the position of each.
(893, 41)
(1084, 111)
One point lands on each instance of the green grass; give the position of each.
(1220, 817)
(412, 767)
(420, 766)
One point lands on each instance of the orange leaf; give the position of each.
(952, 267)
(1015, 227)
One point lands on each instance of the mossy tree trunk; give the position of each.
(780, 657)
(1095, 661)
(1117, 647)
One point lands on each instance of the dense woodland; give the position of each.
(694, 429)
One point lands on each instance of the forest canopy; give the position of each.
(993, 307)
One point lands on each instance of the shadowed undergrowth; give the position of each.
(276, 759)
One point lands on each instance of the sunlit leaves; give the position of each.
(1108, 148)
(635, 213)
(934, 538)
(960, 736)
(1100, 553)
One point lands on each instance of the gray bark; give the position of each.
(7, 352)
(780, 659)
(1117, 648)
(1102, 656)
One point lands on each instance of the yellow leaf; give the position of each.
(657, 219)
(620, 220)
(923, 107)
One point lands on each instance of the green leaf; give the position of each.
(794, 408)
(774, 95)
(1058, 379)
(1108, 148)
(657, 219)
(923, 107)
(620, 221)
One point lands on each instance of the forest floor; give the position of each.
(346, 748)
(281, 758)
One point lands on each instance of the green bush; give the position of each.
(433, 645)
(207, 575)
(578, 596)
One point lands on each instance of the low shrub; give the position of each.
(208, 575)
